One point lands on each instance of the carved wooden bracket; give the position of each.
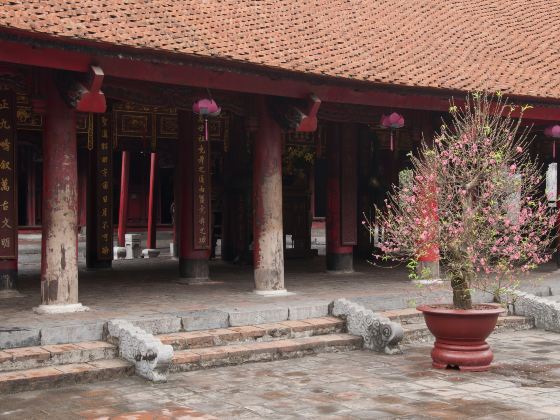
(85, 96)
(308, 122)
(291, 116)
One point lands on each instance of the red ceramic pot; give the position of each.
(461, 335)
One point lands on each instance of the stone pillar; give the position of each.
(59, 253)
(8, 196)
(194, 190)
(120, 250)
(151, 247)
(31, 185)
(341, 197)
(268, 249)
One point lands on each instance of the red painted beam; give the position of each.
(246, 80)
(151, 242)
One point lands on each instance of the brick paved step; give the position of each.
(415, 332)
(234, 354)
(56, 354)
(68, 374)
(252, 334)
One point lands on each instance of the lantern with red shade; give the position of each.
(206, 108)
(554, 133)
(392, 122)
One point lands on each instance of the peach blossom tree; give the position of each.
(475, 194)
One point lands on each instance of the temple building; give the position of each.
(98, 132)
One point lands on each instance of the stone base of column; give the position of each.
(9, 294)
(99, 265)
(150, 253)
(279, 292)
(427, 272)
(60, 309)
(193, 270)
(340, 263)
(119, 252)
(173, 249)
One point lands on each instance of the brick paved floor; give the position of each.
(523, 384)
(148, 287)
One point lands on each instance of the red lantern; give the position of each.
(206, 108)
(392, 122)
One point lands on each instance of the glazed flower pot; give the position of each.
(461, 335)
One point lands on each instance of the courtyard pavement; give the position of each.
(524, 383)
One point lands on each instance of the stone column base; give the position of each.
(60, 309)
(340, 263)
(150, 253)
(9, 294)
(193, 270)
(280, 292)
(173, 250)
(119, 252)
(99, 265)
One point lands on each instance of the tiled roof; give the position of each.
(451, 44)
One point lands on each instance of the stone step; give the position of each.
(56, 354)
(418, 332)
(254, 333)
(68, 374)
(234, 354)
(404, 316)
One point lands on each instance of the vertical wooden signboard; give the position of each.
(8, 191)
(104, 189)
(201, 181)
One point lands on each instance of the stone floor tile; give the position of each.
(5, 357)
(249, 331)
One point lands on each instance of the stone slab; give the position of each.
(11, 337)
(204, 320)
(256, 316)
(72, 332)
(315, 310)
(157, 324)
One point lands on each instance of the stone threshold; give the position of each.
(253, 333)
(215, 356)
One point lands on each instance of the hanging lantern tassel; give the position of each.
(392, 122)
(206, 108)
(554, 149)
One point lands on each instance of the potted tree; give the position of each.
(475, 195)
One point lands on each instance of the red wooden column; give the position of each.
(341, 196)
(151, 248)
(8, 196)
(123, 202)
(268, 249)
(119, 251)
(59, 253)
(428, 261)
(174, 246)
(83, 163)
(194, 192)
